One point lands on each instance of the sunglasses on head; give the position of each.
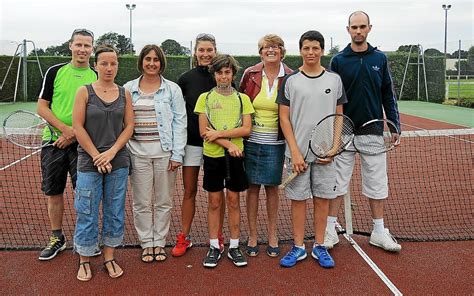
(84, 31)
(205, 36)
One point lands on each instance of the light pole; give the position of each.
(446, 8)
(131, 7)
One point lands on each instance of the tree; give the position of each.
(172, 47)
(59, 50)
(433, 52)
(334, 50)
(406, 48)
(39, 52)
(455, 54)
(120, 42)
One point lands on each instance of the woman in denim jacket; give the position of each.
(157, 150)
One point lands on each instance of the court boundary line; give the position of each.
(369, 261)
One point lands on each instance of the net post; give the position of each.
(348, 212)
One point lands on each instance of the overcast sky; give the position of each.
(237, 25)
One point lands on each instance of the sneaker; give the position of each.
(212, 257)
(237, 257)
(54, 246)
(330, 238)
(293, 256)
(97, 252)
(385, 241)
(182, 245)
(220, 236)
(321, 254)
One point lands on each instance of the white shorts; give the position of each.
(373, 171)
(193, 156)
(318, 180)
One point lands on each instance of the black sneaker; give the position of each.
(237, 257)
(55, 246)
(212, 257)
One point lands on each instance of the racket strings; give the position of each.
(331, 136)
(25, 129)
(376, 137)
(225, 111)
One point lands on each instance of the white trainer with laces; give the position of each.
(330, 238)
(385, 241)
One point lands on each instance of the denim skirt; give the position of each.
(264, 163)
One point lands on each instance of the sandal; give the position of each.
(113, 263)
(273, 251)
(161, 255)
(251, 251)
(148, 256)
(88, 276)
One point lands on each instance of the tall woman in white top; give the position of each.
(157, 150)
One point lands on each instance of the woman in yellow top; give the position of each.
(265, 148)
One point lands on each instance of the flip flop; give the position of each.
(161, 255)
(251, 251)
(113, 262)
(273, 251)
(87, 277)
(147, 255)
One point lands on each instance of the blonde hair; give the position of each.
(272, 39)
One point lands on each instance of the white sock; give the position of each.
(233, 243)
(214, 243)
(331, 225)
(378, 225)
(301, 247)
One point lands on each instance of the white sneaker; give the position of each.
(330, 238)
(385, 241)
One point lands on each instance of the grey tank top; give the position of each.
(104, 124)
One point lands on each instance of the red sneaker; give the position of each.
(220, 236)
(182, 245)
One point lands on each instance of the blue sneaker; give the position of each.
(293, 256)
(321, 254)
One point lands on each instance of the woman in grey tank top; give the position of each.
(103, 123)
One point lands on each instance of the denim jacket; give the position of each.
(170, 114)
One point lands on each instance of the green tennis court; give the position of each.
(445, 113)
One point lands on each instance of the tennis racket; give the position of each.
(224, 112)
(25, 129)
(330, 137)
(376, 136)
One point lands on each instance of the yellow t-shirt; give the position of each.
(223, 104)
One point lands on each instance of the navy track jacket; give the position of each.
(368, 84)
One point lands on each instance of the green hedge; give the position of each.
(178, 65)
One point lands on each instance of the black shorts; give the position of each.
(55, 164)
(215, 171)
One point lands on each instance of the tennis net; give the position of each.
(430, 198)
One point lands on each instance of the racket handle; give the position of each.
(227, 165)
(288, 180)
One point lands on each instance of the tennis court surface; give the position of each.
(430, 211)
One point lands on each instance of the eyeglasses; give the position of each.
(82, 31)
(271, 46)
(205, 36)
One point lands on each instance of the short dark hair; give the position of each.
(82, 32)
(312, 36)
(104, 48)
(223, 60)
(358, 12)
(159, 52)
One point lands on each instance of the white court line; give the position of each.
(21, 159)
(369, 261)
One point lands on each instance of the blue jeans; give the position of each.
(91, 189)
